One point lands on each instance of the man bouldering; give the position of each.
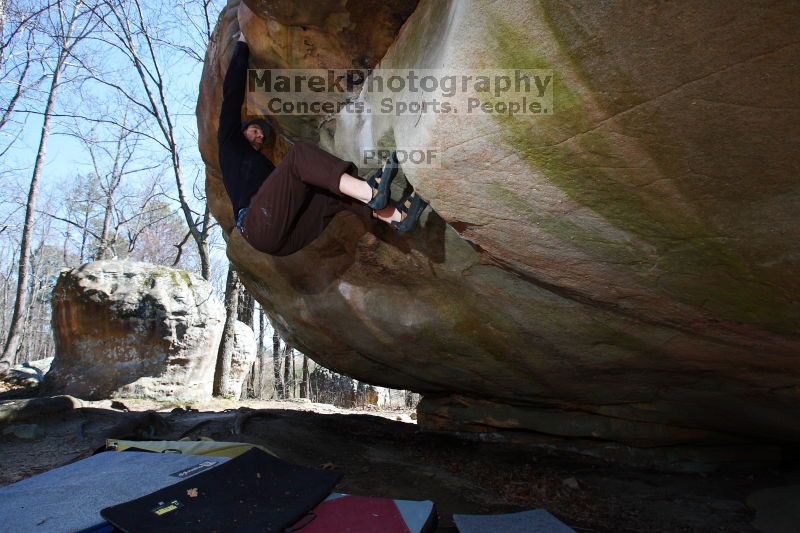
(280, 209)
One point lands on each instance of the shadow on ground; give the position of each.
(390, 458)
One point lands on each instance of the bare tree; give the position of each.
(197, 13)
(113, 155)
(261, 354)
(246, 312)
(107, 219)
(151, 237)
(247, 306)
(78, 210)
(130, 34)
(288, 374)
(223, 368)
(294, 373)
(304, 381)
(19, 55)
(124, 149)
(21, 83)
(70, 24)
(280, 390)
(112, 222)
(36, 334)
(252, 384)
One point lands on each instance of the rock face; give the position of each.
(281, 34)
(244, 353)
(127, 329)
(622, 269)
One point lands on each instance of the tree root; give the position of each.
(16, 410)
(133, 425)
(244, 415)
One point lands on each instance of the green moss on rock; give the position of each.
(691, 264)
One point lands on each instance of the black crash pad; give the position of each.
(252, 492)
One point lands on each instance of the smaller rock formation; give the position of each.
(128, 329)
(337, 389)
(244, 353)
(327, 386)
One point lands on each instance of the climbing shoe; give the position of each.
(381, 181)
(411, 208)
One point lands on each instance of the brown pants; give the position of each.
(298, 200)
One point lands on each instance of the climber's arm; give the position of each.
(233, 88)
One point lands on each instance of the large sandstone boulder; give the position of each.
(128, 329)
(623, 269)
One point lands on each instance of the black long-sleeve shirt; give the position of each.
(243, 168)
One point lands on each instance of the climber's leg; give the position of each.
(297, 201)
(310, 223)
(355, 188)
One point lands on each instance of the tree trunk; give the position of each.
(102, 247)
(65, 252)
(287, 368)
(205, 260)
(276, 366)
(256, 375)
(246, 314)
(200, 237)
(6, 289)
(261, 355)
(223, 370)
(84, 235)
(294, 374)
(304, 382)
(247, 305)
(21, 302)
(249, 385)
(149, 71)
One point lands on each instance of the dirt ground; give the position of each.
(383, 453)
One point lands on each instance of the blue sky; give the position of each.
(67, 159)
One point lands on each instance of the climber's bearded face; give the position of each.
(255, 136)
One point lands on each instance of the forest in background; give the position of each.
(99, 160)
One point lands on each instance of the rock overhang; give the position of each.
(613, 258)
